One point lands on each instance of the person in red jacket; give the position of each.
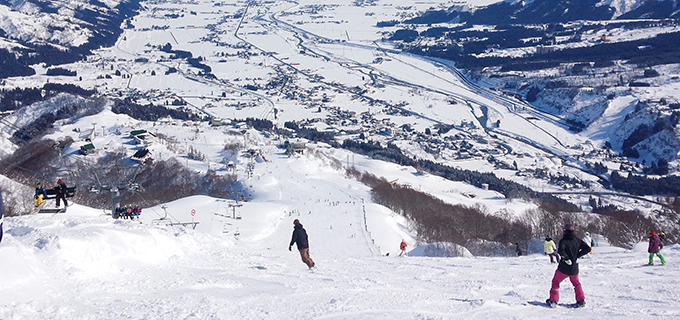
(654, 248)
(402, 246)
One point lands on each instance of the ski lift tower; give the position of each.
(233, 206)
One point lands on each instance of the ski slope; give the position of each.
(235, 264)
(85, 265)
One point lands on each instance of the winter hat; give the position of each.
(59, 181)
(587, 233)
(568, 227)
(296, 222)
(653, 233)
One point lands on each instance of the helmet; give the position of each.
(568, 227)
(588, 233)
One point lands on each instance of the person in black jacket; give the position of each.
(300, 237)
(570, 248)
(61, 193)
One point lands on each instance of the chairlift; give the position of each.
(193, 224)
(158, 221)
(134, 187)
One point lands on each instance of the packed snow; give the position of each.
(234, 264)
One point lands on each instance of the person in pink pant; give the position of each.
(570, 248)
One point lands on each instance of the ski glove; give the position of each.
(567, 261)
(290, 248)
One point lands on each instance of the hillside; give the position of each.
(203, 97)
(56, 32)
(84, 265)
(603, 68)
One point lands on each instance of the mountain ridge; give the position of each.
(56, 32)
(549, 11)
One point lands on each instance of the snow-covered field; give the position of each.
(235, 264)
(322, 51)
(84, 265)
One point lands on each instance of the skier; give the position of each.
(61, 193)
(300, 237)
(570, 248)
(654, 248)
(589, 241)
(517, 249)
(402, 246)
(551, 250)
(40, 194)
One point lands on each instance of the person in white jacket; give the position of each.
(550, 249)
(589, 241)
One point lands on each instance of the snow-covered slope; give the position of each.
(62, 23)
(85, 265)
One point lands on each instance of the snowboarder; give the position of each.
(589, 241)
(61, 193)
(300, 237)
(550, 249)
(654, 248)
(40, 194)
(570, 249)
(662, 237)
(402, 246)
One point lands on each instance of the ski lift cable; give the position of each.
(154, 210)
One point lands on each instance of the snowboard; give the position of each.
(559, 305)
(39, 207)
